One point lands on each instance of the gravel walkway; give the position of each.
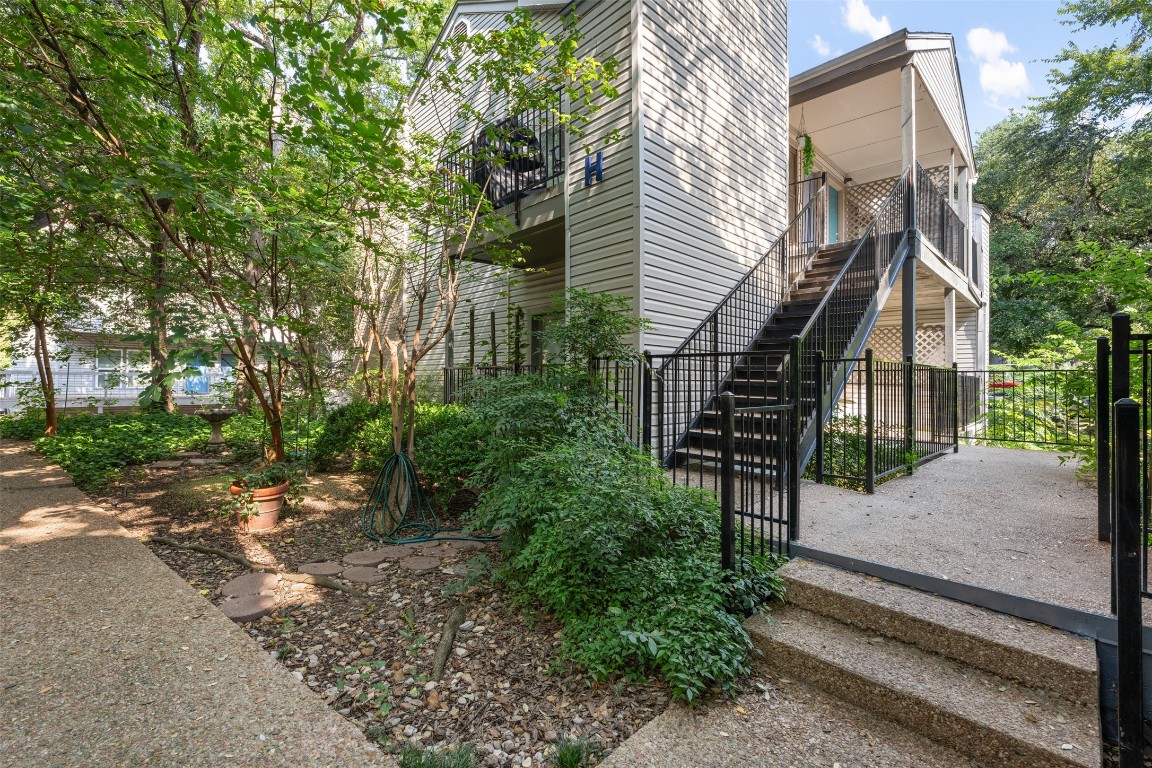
(108, 658)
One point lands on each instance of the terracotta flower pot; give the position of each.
(268, 502)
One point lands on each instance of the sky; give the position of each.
(1001, 44)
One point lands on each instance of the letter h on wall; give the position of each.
(593, 169)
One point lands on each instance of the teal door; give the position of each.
(833, 215)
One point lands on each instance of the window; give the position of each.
(111, 369)
(543, 351)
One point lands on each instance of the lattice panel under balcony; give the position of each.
(887, 343)
(861, 202)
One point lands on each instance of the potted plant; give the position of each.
(258, 496)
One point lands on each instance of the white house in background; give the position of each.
(93, 369)
(707, 175)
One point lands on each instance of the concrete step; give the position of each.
(988, 718)
(1026, 653)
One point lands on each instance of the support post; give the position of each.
(646, 399)
(472, 336)
(1127, 567)
(955, 407)
(949, 326)
(819, 366)
(908, 307)
(869, 422)
(1103, 444)
(909, 411)
(792, 452)
(727, 403)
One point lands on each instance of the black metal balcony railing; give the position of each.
(509, 159)
(939, 222)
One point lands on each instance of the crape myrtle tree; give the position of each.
(417, 256)
(232, 139)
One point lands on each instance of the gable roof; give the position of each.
(891, 53)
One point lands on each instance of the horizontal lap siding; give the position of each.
(939, 74)
(715, 99)
(601, 218)
(486, 289)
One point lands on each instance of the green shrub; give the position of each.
(597, 535)
(26, 425)
(93, 448)
(340, 429)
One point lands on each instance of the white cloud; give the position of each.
(820, 45)
(858, 17)
(999, 77)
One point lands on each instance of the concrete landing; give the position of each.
(1009, 520)
(108, 658)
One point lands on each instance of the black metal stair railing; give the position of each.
(694, 372)
(842, 321)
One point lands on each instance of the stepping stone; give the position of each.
(374, 557)
(322, 569)
(251, 584)
(363, 574)
(248, 608)
(461, 546)
(204, 462)
(420, 563)
(166, 465)
(189, 454)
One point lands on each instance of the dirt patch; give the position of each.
(371, 659)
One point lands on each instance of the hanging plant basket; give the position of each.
(807, 155)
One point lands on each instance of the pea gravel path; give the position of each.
(108, 658)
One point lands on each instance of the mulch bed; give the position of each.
(503, 688)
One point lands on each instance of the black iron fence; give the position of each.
(1124, 476)
(757, 480)
(889, 417)
(1022, 406)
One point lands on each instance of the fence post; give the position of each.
(955, 408)
(727, 402)
(909, 412)
(447, 386)
(792, 452)
(1103, 447)
(1121, 388)
(818, 365)
(869, 422)
(1126, 566)
(646, 398)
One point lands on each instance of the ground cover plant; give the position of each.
(95, 447)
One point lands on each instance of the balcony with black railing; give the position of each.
(509, 160)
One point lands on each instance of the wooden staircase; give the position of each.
(755, 379)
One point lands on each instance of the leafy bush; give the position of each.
(596, 534)
(341, 427)
(94, 447)
(26, 425)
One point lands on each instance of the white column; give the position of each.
(908, 156)
(949, 326)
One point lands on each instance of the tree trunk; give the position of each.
(158, 319)
(47, 384)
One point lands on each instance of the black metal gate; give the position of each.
(1125, 478)
(759, 477)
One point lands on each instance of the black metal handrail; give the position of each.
(744, 311)
(834, 329)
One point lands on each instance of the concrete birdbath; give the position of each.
(216, 417)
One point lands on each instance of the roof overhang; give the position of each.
(851, 107)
